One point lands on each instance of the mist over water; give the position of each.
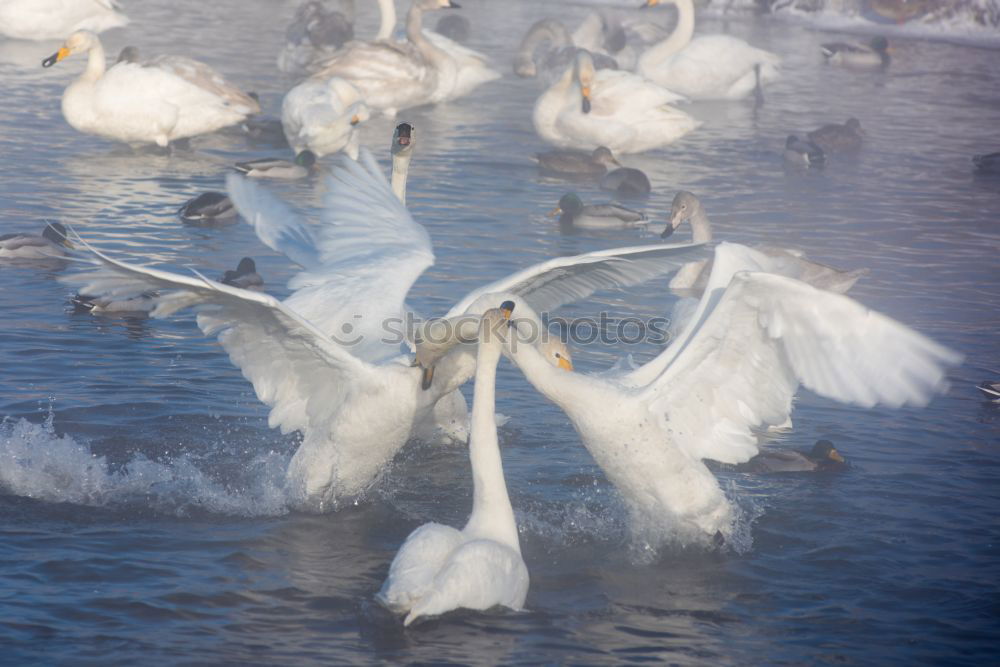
(143, 513)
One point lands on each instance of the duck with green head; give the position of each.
(574, 215)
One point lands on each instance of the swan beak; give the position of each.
(355, 119)
(55, 57)
(586, 99)
(565, 364)
(835, 456)
(453, 5)
(554, 212)
(649, 3)
(666, 233)
(507, 307)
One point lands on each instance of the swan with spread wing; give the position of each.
(321, 358)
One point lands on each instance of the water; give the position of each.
(141, 509)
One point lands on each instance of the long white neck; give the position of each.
(387, 19)
(550, 104)
(679, 38)
(96, 63)
(701, 228)
(400, 170)
(415, 33)
(492, 516)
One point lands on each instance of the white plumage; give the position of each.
(322, 116)
(54, 19)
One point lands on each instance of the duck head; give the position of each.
(56, 232)
(824, 451)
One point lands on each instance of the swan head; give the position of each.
(494, 322)
(556, 353)
(359, 113)
(824, 451)
(585, 76)
(80, 41)
(402, 139)
(653, 3)
(603, 155)
(569, 205)
(55, 232)
(684, 206)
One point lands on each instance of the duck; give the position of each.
(587, 108)
(803, 153)
(834, 138)
(873, 55)
(54, 19)
(691, 279)
(574, 214)
(245, 276)
(439, 568)
(547, 49)
(277, 168)
(322, 116)
(316, 31)
(578, 163)
(51, 243)
(708, 67)
(626, 182)
(822, 457)
(136, 306)
(990, 389)
(755, 338)
(988, 163)
(156, 102)
(207, 207)
(320, 359)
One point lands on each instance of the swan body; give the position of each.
(207, 207)
(51, 243)
(165, 99)
(587, 108)
(874, 55)
(439, 568)
(321, 359)
(322, 117)
(834, 138)
(54, 19)
(710, 67)
(277, 168)
(737, 365)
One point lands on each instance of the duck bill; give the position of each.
(554, 212)
(55, 57)
(507, 307)
(565, 364)
(835, 456)
(586, 99)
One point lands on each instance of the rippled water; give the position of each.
(141, 509)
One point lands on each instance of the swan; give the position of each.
(803, 153)
(315, 32)
(692, 279)
(873, 55)
(393, 76)
(326, 360)
(754, 339)
(834, 138)
(587, 108)
(709, 67)
(207, 207)
(574, 214)
(547, 50)
(322, 117)
(51, 243)
(54, 19)
(167, 98)
(822, 457)
(440, 568)
(268, 167)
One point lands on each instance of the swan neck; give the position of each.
(387, 19)
(546, 30)
(492, 515)
(701, 228)
(96, 62)
(678, 39)
(400, 170)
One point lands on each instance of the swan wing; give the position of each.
(417, 562)
(765, 334)
(204, 77)
(616, 90)
(562, 280)
(276, 224)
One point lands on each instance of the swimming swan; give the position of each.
(754, 339)
(709, 67)
(439, 568)
(54, 19)
(323, 359)
(167, 98)
(587, 108)
(322, 117)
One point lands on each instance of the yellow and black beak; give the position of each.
(355, 119)
(565, 364)
(586, 99)
(55, 57)
(649, 3)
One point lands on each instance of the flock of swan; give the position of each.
(755, 323)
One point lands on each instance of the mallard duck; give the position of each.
(133, 306)
(864, 56)
(988, 163)
(47, 245)
(990, 389)
(268, 167)
(245, 276)
(834, 138)
(577, 215)
(803, 153)
(822, 457)
(578, 163)
(207, 207)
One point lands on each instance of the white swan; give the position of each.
(587, 108)
(393, 76)
(322, 117)
(710, 67)
(755, 338)
(54, 19)
(167, 98)
(439, 568)
(326, 359)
